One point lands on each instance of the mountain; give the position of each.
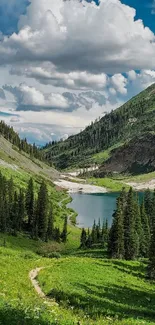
(135, 157)
(18, 156)
(133, 119)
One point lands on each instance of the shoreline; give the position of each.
(73, 187)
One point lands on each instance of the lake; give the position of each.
(93, 206)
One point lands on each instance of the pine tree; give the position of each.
(30, 202)
(130, 235)
(148, 203)
(151, 264)
(21, 210)
(42, 211)
(94, 233)
(83, 239)
(145, 238)
(15, 214)
(116, 238)
(138, 224)
(10, 203)
(57, 235)
(50, 229)
(89, 240)
(64, 232)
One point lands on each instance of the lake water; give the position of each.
(93, 206)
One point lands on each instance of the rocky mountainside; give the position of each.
(135, 157)
(134, 119)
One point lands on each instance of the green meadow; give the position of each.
(84, 287)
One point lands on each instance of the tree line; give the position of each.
(130, 119)
(98, 235)
(132, 233)
(9, 134)
(27, 211)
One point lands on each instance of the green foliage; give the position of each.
(9, 134)
(134, 118)
(101, 290)
(112, 184)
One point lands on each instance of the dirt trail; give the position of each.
(32, 276)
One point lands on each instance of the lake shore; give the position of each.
(74, 187)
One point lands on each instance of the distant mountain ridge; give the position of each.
(133, 119)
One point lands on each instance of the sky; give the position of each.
(66, 63)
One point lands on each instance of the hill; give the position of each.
(133, 119)
(135, 157)
(17, 160)
(20, 166)
(88, 289)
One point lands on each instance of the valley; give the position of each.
(79, 239)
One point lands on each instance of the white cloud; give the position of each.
(46, 73)
(76, 35)
(29, 96)
(74, 60)
(119, 82)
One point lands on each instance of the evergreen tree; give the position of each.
(15, 214)
(130, 235)
(10, 203)
(30, 202)
(148, 203)
(151, 264)
(138, 225)
(116, 238)
(21, 210)
(42, 211)
(83, 239)
(94, 233)
(64, 232)
(57, 235)
(145, 238)
(50, 229)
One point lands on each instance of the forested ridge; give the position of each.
(9, 134)
(134, 118)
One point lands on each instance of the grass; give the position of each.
(98, 289)
(89, 290)
(111, 184)
(140, 178)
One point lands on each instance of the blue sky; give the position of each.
(53, 83)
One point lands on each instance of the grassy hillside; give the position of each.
(134, 118)
(88, 291)
(98, 288)
(21, 167)
(12, 158)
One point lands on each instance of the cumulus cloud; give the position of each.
(46, 73)
(81, 36)
(31, 98)
(77, 60)
(119, 82)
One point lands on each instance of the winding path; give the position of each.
(32, 276)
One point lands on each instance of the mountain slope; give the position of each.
(134, 118)
(135, 157)
(11, 157)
